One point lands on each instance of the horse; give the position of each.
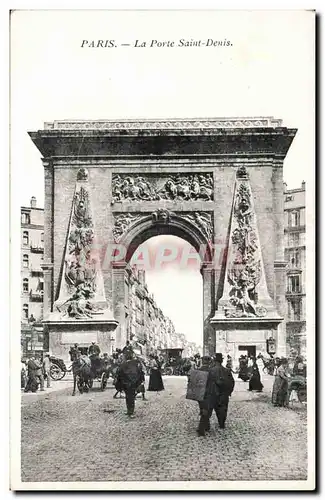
(82, 376)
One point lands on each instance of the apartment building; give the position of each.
(295, 255)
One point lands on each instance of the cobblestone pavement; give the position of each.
(89, 438)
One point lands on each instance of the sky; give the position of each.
(267, 71)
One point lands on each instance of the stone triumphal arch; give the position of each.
(110, 185)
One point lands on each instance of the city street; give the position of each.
(89, 438)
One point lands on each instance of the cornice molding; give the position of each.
(169, 124)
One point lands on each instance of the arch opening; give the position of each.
(166, 293)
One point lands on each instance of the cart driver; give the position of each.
(93, 353)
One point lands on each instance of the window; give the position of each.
(294, 284)
(294, 219)
(25, 218)
(25, 285)
(294, 310)
(42, 237)
(25, 311)
(294, 239)
(294, 258)
(25, 238)
(25, 260)
(289, 198)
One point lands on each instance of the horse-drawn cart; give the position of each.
(58, 368)
(100, 371)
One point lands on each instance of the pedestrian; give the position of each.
(281, 383)
(299, 367)
(23, 374)
(39, 372)
(260, 362)
(73, 352)
(130, 376)
(220, 386)
(255, 383)
(204, 406)
(94, 349)
(46, 369)
(155, 380)
(243, 369)
(127, 347)
(229, 362)
(250, 363)
(35, 375)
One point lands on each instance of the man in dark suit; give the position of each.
(219, 387)
(130, 376)
(205, 413)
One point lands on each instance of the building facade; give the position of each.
(295, 256)
(32, 282)
(147, 326)
(211, 182)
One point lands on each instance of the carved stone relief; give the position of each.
(210, 123)
(245, 266)
(202, 220)
(179, 187)
(81, 285)
(122, 222)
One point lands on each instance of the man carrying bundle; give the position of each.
(129, 377)
(219, 386)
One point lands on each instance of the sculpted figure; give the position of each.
(79, 305)
(144, 189)
(183, 189)
(117, 188)
(171, 189)
(243, 208)
(81, 216)
(195, 188)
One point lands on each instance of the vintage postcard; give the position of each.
(162, 250)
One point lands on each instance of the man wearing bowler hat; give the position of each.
(220, 386)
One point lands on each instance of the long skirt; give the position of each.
(155, 381)
(255, 383)
(243, 374)
(280, 392)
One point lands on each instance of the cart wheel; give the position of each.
(103, 382)
(56, 373)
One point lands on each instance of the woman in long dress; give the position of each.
(243, 368)
(255, 383)
(281, 383)
(155, 380)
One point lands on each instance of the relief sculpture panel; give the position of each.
(201, 220)
(178, 187)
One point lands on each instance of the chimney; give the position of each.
(33, 202)
(303, 185)
(285, 187)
